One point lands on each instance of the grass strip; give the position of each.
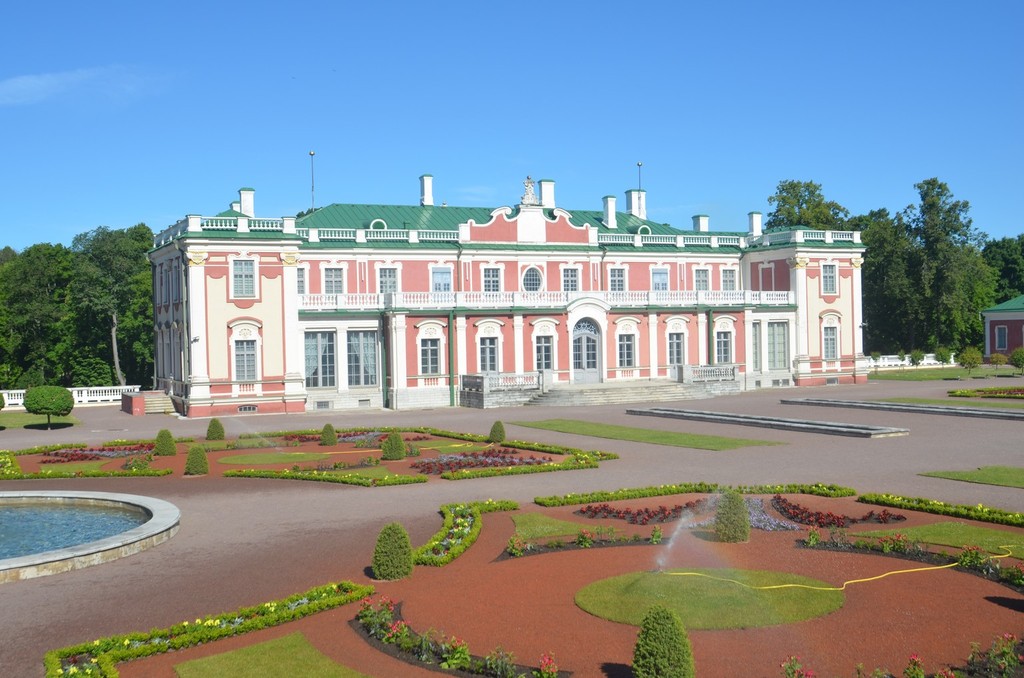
(643, 435)
(1004, 476)
(959, 402)
(940, 373)
(273, 458)
(959, 535)
(26, 420)
(292, 655)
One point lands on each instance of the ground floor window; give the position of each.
(723, 348)
(545, 355)
(362, 358)
(245, 360)
(627, 352)
(755, 342)
(320, 365)
(1001, 337)
(488, 354)
(830, 343)
(675, 348)
(778, 346)
(430, 356)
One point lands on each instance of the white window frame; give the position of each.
(777, 359)
(421, 346)
(300, 280)
(571, 276)
(724, 338)
(620, 284)
(237, 276)
(656, 285)
(702, 279)
(492, 363)
(492, 272)
(625, 350)
(373, 379)
(549, 342)
(1004, 331)
(320, 378)
(540, 278)
(831, 347)
(830, 279)
(397, 270)
(329, 274)
(729, 280)
(436, 273)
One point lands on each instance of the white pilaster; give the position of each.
(460, 344)
(652, 343)
(798, 270)
(399, 370)
(517, 333)
(292, 337)
(702, 339)
(199, 341)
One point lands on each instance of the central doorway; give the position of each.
(586, 352)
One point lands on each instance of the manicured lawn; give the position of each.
(960, 402)
(959, 535)
(704, 601)
(291, 655)
(75, 466)
(1006, 476)
(24, 419)
(367, 472)
(937, 373)
(273, 458)
(535, 526)
(643, 435)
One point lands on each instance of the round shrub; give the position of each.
(196, 463)
(497, 434)
(393, 447)
(165, 446)
(328, 436)
(732, 522)
(392, 556)
(215, 431)
(1017, 359)
(49, 400)
(998, 359)
(662, 647)
(943, 355)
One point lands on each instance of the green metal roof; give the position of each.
(1012, 306)
(230, 214)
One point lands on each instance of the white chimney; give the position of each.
(236, 206)
(427, 189)
(247, 199)
(700, 222)
(547, 193)
(609, 211)
(636, 202)
(754, 218)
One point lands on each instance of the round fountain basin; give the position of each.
(91, 528)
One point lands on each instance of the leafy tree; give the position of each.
(889, 298)
(801, 203)
(969, 358)
(49, 400)
(916, 357)
(392, 555)
(107, 263)
(997, 359)
(662, 647)
(943, 355)
(1006, 257)
(1017, 359)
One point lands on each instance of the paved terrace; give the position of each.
(246, 541)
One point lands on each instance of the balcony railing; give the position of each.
(556, 300)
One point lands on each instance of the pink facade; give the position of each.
(351, 306)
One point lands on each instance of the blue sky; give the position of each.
(116, 113)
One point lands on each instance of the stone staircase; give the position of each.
(158, 402)
(631, 392)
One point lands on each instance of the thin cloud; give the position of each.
(24, 90)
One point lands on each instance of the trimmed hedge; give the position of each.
(818, 489)
(392, 556)
(980, 512)
(108, 652)
(454, 539)
(573, 464)
(327, 477)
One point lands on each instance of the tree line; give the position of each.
(928, 272)
(83, 316)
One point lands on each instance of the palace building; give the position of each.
(424, 305)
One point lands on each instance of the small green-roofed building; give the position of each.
(1004, 326)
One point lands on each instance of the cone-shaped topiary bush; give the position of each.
(196, 463)
(732, 521)
(392, 557)
(165, 446)
(215, 431)
(393, 447)
(662, 647)
(328, 436)
(497, 434)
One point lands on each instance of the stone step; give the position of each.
(159, 403)
(611, 395)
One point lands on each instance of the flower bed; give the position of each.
(99, 658)
(104, 451)
(805, 516)
(68, 456)
(1010, 392)
(642, 516)
(446, 463)
(462, 524)
(979, 512)
(818, 489)
(327, 477)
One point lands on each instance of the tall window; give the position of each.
(488, 354)
(778, 346)
(531, 280)
(627, 354)
(300, 281)
(320, 365)
(492, 280)
(729, 279)
(617, 279)
(1001, 337)
(243, 278)
(334, 281)
(830, 343)
(755, 342)
(723, 347)
(387, 280)
(702, 279)
(675, 348)
(362, 358)
(570, 279)
(828, 279)
(659, 280)
(430, 356)
(441, 280)
(545, 360)
(245, 360)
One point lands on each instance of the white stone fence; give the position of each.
(894, 361)
(93, 395)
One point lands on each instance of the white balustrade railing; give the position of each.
(705, 373)
(82, 395)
